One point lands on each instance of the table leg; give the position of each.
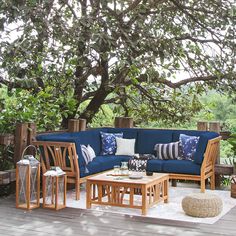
(165, 190)
(144, 200)
(88, 194)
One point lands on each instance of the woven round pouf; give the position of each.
(202, 205)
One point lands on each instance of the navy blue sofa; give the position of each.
(145, 142)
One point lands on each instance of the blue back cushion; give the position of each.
(202, 143)
(147, 139)
(91, 137)
(127, 133)
(131, 133)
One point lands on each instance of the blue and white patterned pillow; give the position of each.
(109, 142)
(188, 146)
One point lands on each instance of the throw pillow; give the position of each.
(88, 153)
(135, 164)
(125, 146)
(188, 146)
(140, 163)
(109, 142)
(92, 154)
(166, 151)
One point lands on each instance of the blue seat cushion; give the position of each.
(103, 163)
(155, 165)
(147, 139)
(202, 143)
(82, 172)
(181, 167)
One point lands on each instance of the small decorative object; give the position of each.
(136, 175)
(28, 181)
(233, 186)
(116, 170)
(124, 168)
(54, 189)
(149, 173)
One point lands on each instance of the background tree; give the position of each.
(148, 58)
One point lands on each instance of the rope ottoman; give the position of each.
(202, 205)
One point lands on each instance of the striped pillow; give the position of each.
(88, 153)
(167, 151)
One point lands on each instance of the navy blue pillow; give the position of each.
(188, 146)
(109, 142)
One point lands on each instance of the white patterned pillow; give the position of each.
(88, 153)
(92, 154)
(167, 151)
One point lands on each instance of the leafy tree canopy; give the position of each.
(148, 58)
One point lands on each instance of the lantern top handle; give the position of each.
(29, 146)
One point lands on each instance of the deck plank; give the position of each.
(71, 221)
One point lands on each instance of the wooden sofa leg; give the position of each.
(213, 184)
(203, 185)
(77, 190)
(174, 183)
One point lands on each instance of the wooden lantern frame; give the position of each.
(29, 205)
(54, 192)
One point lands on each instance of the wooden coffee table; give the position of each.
(104, 189)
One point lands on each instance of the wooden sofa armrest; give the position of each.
(210, 156)
(208, 164)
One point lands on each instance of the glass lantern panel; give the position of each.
(61, 189)
(50, 196)
(50, 191)
(33, 184)
(22, 196)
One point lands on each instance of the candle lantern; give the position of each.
(28, 181)
(54, 189)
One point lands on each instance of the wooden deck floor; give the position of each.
(40, 222)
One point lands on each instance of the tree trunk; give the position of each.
(95, 103)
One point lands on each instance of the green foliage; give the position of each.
(132, 52)
(6, 158)
(232, 142)
(225, 150)
(42, 108)
(105, 117)
(218, 106)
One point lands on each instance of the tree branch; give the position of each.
(189, 80)
(183, 9)
(187, 36)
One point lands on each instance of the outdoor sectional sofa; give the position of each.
(65, 151)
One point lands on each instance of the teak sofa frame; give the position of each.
(64, 154)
